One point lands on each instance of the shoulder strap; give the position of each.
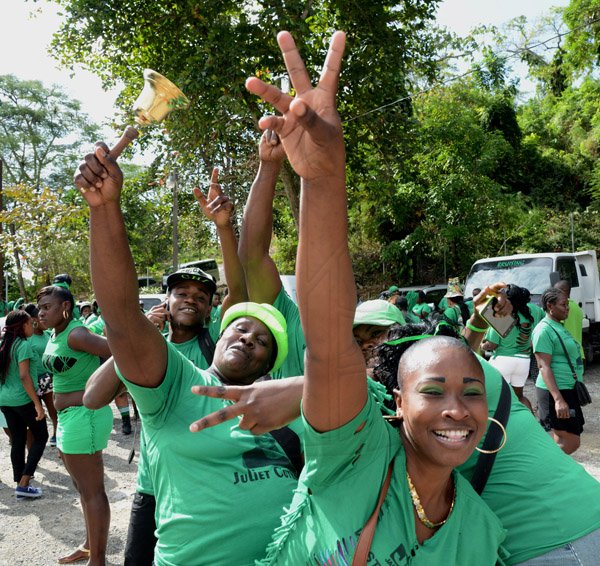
(361, 553)
(485, 462)
(290, 444)
(573, 372)
(206, 344)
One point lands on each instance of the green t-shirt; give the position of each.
(537, 313)
(190, 350)
(545, 341)
(96, 325)
(574, 324)
(338, 491)
(70, 368)
(12, 392)
(38, 345)
(421, 311)
(542, 496)
(294, 363)
(219, 492)
(517, 343)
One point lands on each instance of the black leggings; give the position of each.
(19, 419)
(139, 549)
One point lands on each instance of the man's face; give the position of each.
(216, 300)
(189, 303)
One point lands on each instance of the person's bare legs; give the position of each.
(519, 393)
(87, 472)
(567, 441)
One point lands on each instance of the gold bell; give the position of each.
(157, 99)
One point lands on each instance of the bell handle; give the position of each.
(128, 136)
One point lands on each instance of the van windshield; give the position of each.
(531, 273)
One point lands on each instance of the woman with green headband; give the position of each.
(203, 483)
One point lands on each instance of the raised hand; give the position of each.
(98, 177)
(270, 148)
(309, 127)
(216, 206)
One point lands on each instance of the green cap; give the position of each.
(393, 289)
(270, 317)
(379, 313)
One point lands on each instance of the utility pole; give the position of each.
(172, 182)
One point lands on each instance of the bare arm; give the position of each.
(544, 362)
(82, 340)
(137, 346)
(218, 208)
(102, 386)
(335, 387)
(25, 376)
(262, 277)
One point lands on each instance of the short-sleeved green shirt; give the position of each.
(294, 363)
(338, 491)
(531, 485)
(546, 341)
(12, 392)
(219, 492)
(190, 350)
(70, 368)
(38, 345)
(517, 342)
(422, 311)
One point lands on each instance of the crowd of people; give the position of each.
(329, 432)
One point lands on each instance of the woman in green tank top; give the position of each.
(72, 354)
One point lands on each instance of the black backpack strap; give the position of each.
(485, 462)
(291, 445)
(206, 344)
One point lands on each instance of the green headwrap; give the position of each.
(270, 317)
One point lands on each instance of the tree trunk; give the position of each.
(2, 282)
(291, 184)
(13, 232)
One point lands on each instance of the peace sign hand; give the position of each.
(309, 127)
(263, 406)
(216, 206)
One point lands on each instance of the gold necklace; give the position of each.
(419, 508)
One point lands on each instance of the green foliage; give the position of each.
(41, 133)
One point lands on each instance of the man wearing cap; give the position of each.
(372, 321)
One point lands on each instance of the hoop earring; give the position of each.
(65, 314)
(504, 439)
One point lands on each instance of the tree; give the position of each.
(41, 135)
(210, 47)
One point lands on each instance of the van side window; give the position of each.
(582, 270)
(568, 270)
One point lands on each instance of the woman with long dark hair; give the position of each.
(19, 402)
(511, 355)
(42, 380)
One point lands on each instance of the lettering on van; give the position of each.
(511, 263)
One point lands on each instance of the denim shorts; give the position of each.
(83, 431)
(581, 552)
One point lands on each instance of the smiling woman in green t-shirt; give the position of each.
(429, 514)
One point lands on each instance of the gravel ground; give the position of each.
(37, 532)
